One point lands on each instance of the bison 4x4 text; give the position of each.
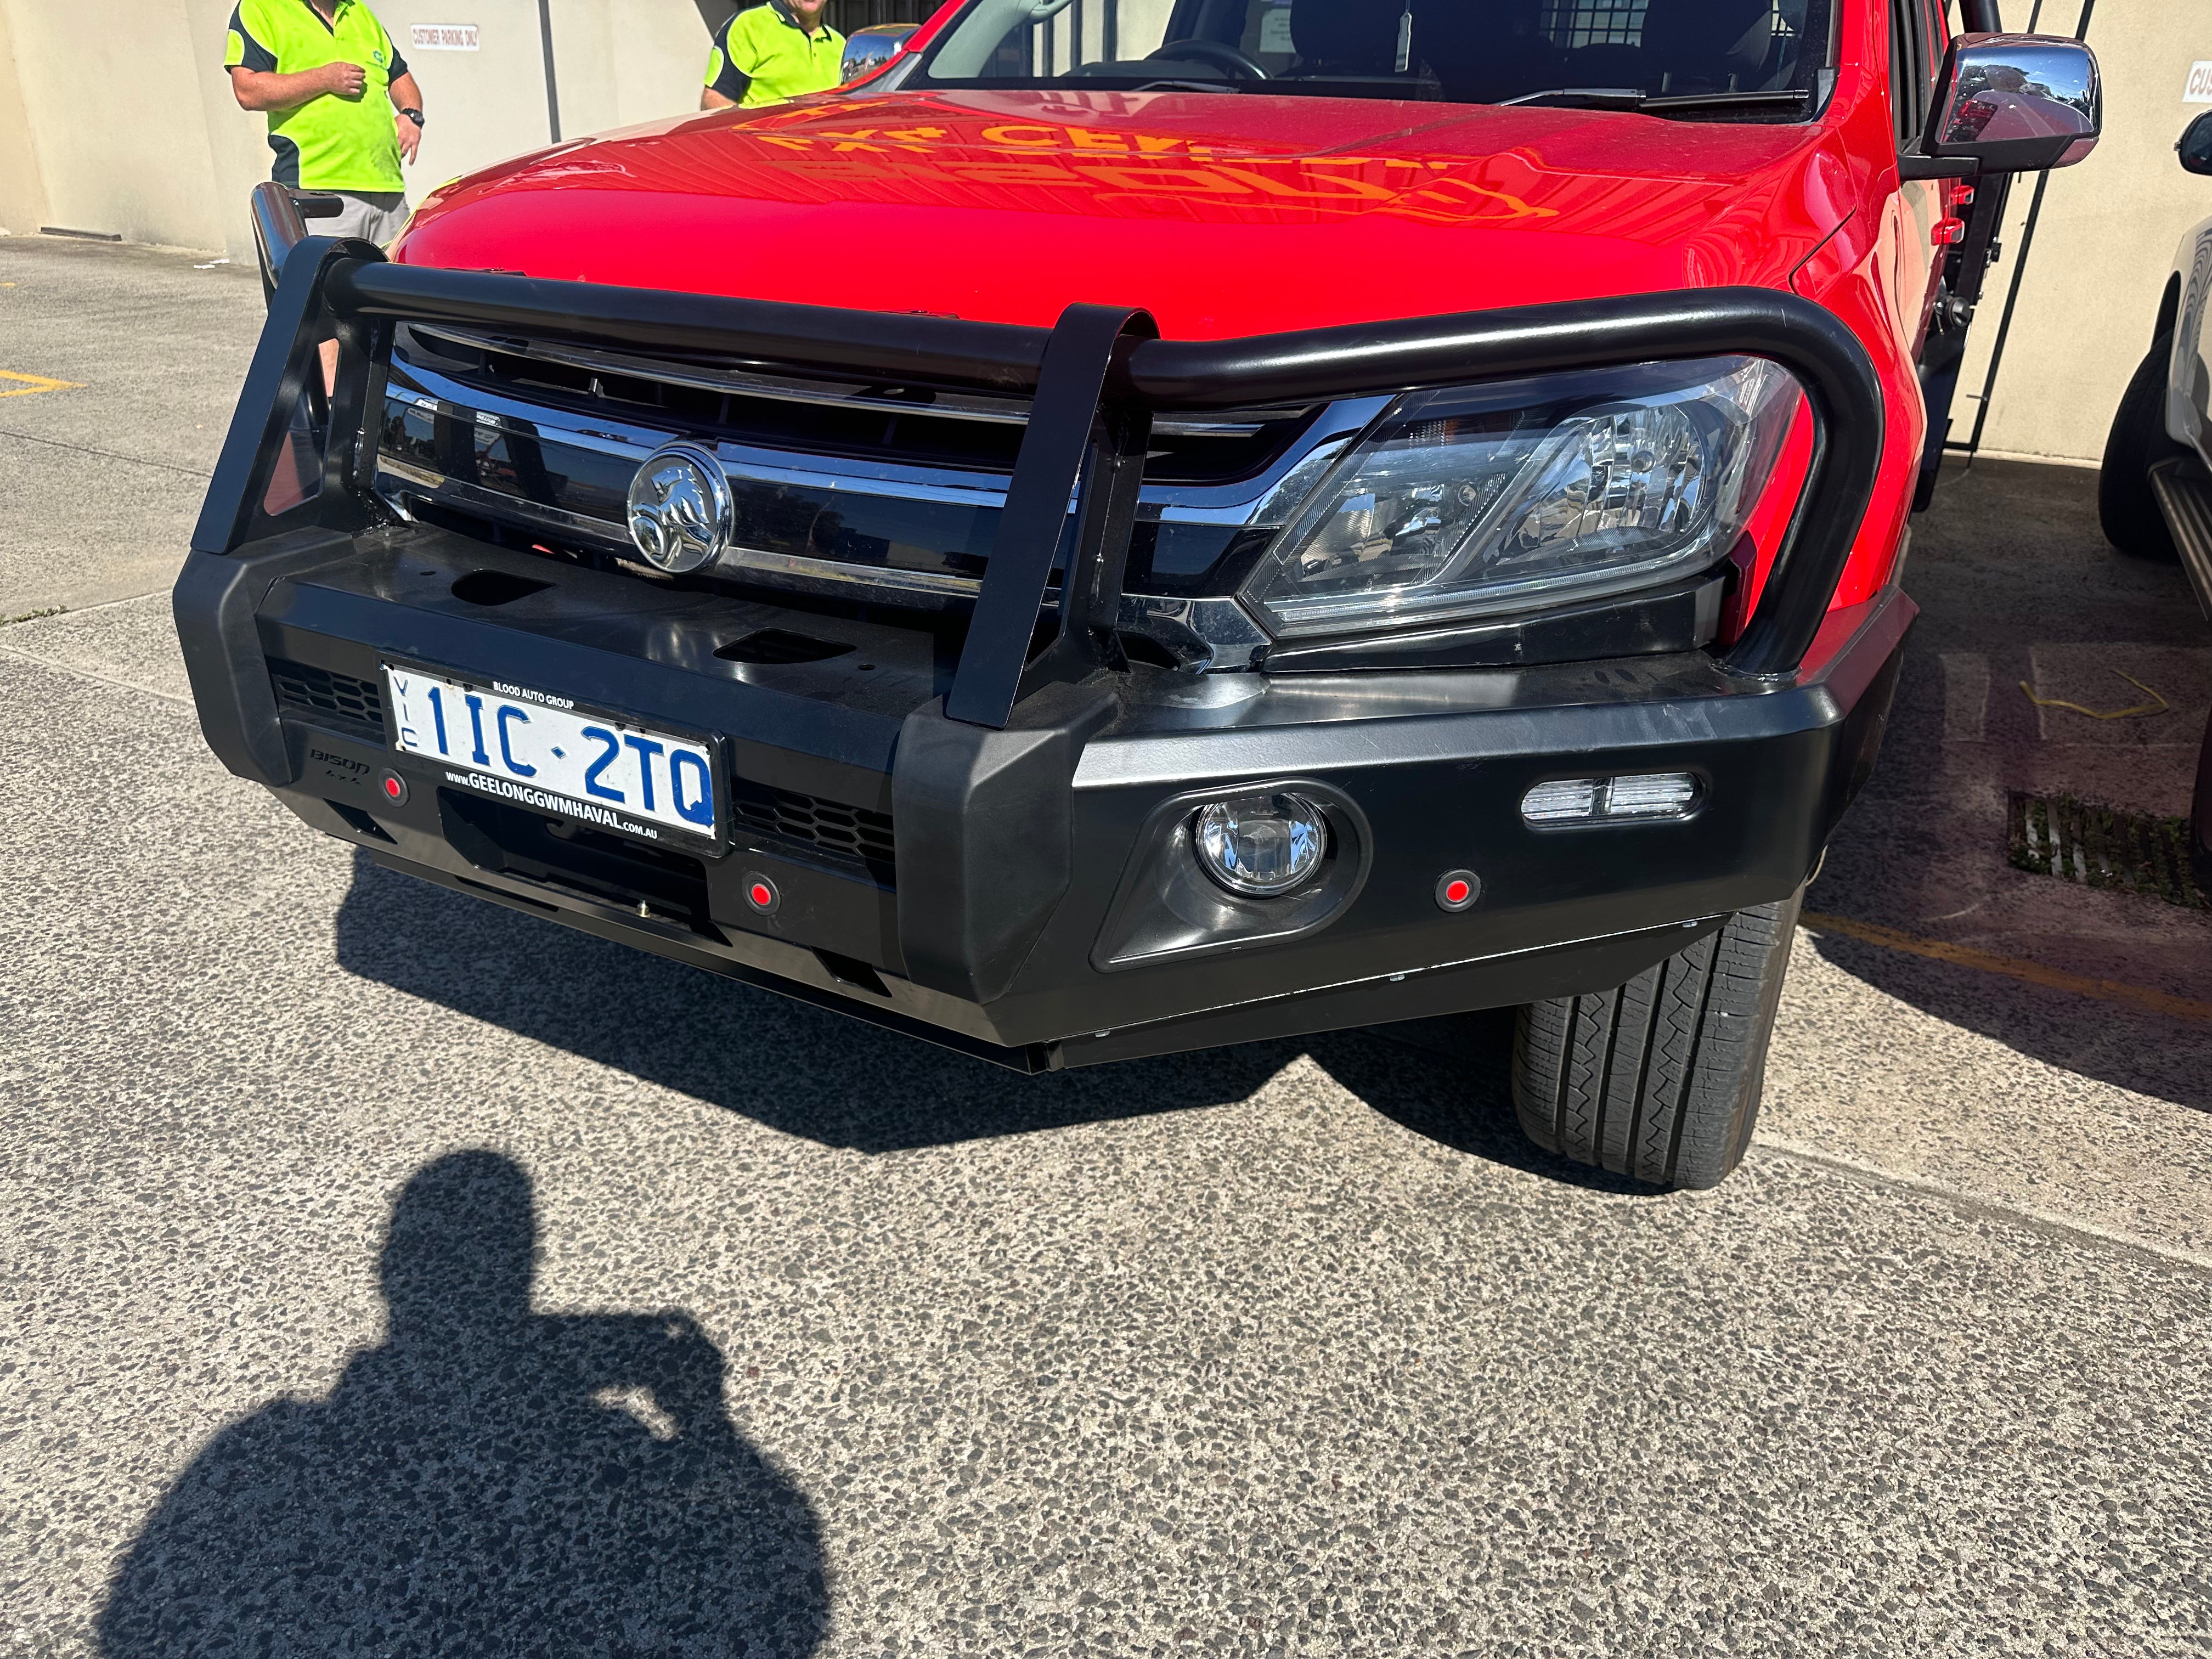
(1145, 526)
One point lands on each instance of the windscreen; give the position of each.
(1758, 59)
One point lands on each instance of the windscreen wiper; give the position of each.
(1633, 98)
(1790, 98)
(1172, 85)
(1591, 97)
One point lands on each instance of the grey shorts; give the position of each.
(376, 216)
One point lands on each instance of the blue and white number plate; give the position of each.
(540, 750)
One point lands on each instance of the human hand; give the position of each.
(345, 80)
(410, 137)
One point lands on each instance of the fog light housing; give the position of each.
(1259, 846)
(1641, 795)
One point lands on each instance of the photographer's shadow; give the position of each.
(488, 1481)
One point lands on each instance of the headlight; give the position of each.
(1527, 494)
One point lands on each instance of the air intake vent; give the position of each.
(850, 833)
(335, 699)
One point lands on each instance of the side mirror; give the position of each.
(2196, 146)
(2016, 103)
(867, 50)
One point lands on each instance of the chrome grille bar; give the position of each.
(946, 405)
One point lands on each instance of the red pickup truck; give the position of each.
(1139, 526)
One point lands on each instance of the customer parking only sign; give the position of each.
(2198, 89)
(443, 37)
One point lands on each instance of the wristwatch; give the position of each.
(414, 115)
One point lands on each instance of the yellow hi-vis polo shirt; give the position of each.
(328, 143)
(763, 56)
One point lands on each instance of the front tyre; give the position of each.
(2126, 509)
(1659, 1079)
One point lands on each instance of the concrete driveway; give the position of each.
(383, 1273)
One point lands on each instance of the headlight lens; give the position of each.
(1465, 502)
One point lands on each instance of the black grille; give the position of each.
(851, 833)
(337, 699)
(903, 427)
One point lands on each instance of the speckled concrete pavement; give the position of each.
(150, 346)
(383, 1273)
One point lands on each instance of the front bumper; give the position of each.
(975, 834)
(1030, 911)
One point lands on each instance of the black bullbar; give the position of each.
(1037, 905)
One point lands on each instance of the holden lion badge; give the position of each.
(679, 509)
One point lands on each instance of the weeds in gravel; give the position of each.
(2098, 845)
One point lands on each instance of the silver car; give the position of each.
(2154, 491)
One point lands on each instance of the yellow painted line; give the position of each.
(2031, 973)
(35, 384)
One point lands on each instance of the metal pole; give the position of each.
(2018, 260)
(552, 89)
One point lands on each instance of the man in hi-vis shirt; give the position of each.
(770, 52)
(325, 70)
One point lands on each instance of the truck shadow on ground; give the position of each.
(799, 1069)
(1450, 1080)
(487, 1480)
(2008, 561)
(2165, 1059)
(1905, 853)
(838, 1081)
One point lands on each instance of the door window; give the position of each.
(1917, 37)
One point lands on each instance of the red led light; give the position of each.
(392, 787)
(1455, 892)
(763, 895)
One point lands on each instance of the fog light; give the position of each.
(1593, 800)
(1260, 845)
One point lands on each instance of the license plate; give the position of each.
(540, 750)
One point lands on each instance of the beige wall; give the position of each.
(23, 188)
(115, 115)
(2104, 243)
(120, 133)
(650, 56)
